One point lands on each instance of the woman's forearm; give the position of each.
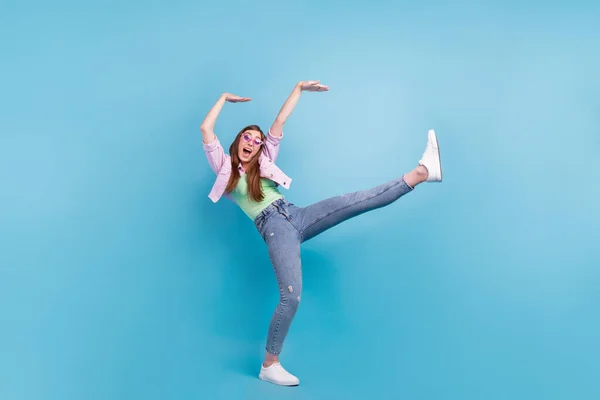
(208, 125)
(286, 111)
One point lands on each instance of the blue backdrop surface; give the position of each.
(120, 279)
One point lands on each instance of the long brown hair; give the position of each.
(252, 172)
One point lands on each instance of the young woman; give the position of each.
(250, 177)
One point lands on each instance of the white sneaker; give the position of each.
(431, 158)
(276, 374)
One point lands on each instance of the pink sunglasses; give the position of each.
(248, 138)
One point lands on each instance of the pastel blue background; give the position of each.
(119, 279)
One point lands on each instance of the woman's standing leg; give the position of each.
(283, 241)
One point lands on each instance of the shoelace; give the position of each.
(279, 368)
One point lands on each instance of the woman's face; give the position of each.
(250, 144)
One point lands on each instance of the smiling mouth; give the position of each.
(247, 151)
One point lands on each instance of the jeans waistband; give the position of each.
(275, 207)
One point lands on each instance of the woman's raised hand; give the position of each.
(232, 98)
(312, 86)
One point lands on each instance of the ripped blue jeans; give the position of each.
(284, 226)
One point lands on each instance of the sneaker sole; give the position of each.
(262, 378)
(437, 145)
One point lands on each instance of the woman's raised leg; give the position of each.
(328, 213)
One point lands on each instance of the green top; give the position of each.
(249, 206)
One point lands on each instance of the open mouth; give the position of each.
(247, 151)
